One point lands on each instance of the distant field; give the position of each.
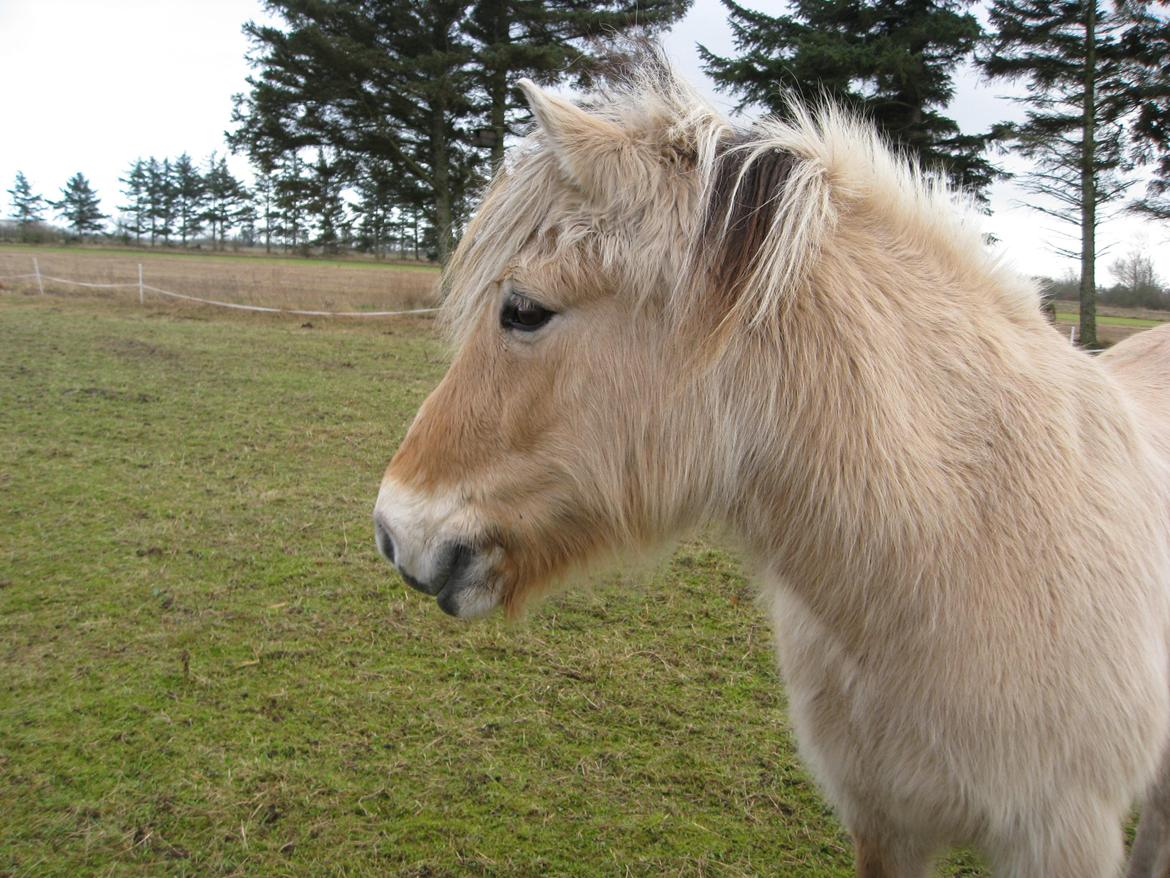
(1113, 324)
(205, 669)
(1119, 319)
(272, 281)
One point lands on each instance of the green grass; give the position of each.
(1106, 320)
(206, 670)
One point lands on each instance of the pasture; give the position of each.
(207, 669)
(272, 281)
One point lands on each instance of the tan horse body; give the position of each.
(960, 522)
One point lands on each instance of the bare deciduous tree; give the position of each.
(1135, 271)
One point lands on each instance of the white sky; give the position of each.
(90, 86)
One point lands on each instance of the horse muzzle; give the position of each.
(428, 546)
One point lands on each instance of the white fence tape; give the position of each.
(142, 287)
(298, 312)
(78, 283)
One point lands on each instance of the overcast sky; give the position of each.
(90, 86)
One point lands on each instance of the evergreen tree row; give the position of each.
(78, 206)
(167, 200)
(298, 205)
(416, 98)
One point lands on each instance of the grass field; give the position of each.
(1113, 320)
(207, 670)
(1113, 324)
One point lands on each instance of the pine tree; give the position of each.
(226, 200)
(189, 194)
(264, 206)
(137, 206)
(168, 202)
(327, 205)
(1145, 51)
(292, 191)
(376, 192)
(160, 199)
(79, 206)
(1068, 52)
(409, 85)
(27, 207)
(893, 60)
(246, 222)
(366, 80)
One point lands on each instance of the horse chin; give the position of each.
(468, 599)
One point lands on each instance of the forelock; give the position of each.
(521, 203)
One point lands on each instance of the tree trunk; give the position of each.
(440, 173)
(1088, 327)
(499, 106)
(498, 84)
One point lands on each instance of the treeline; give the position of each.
(166, 200)
(408, 105)
(1136, 285)
(303, 207)
(300, 206)
(79, 207)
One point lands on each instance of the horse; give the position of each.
(956, 519)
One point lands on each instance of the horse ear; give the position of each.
(591, 149)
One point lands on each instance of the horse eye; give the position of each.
(522, 313)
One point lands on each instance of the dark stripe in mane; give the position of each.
(740, 211)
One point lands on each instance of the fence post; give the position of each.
(141, 292)
(40, 283)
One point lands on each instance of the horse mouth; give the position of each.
(448, 599)
(457, 563)
(467, 599)
(467, 588)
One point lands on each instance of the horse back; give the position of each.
(1141, 364)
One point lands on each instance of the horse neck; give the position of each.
(905, 396)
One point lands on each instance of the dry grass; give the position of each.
(350, 284)
(1129, 313)
(1113, 324)
(281, 282)
(1106, 335)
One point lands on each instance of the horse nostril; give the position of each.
(384, 540)
(460, 558)
(451, 564)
